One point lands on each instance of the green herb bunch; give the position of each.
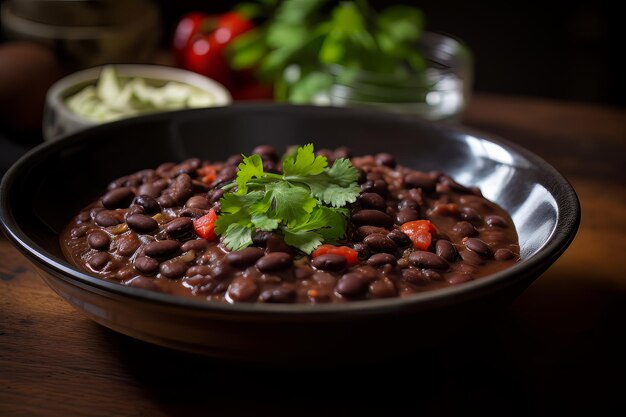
(305, 203)
(301, 39)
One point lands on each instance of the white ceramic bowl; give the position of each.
(59, 120)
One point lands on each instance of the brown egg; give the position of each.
(27, 70)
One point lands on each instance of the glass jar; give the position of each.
(440, 92)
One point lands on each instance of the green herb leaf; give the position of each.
(293, 203)
(251, 167)
(402, 23)
(237, 236)
(264, 222)
(304, 162)
(290, 203)
(305, 240)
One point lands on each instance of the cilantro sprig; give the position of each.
(305, 203)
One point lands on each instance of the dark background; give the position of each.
(559, 50)
(564, 50)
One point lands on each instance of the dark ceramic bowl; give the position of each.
(43, 190)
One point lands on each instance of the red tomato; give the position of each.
(189, 26)
(420, 233)
(200, 40)
(205, 225)
(352, 256)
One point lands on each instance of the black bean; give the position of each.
(98, 260)
(407, 215)
(166, 200)
(98, 240)
(494, 220)
(234, 159)
(149, 204)
(134, 209)
(428, 260)
(503, 254)
(79, 231)
(147, 174)
(477, 246)
(260, 238)
(363, 231)
(446, 250)
(173, 269)
(326, 153)
(471, 258)
(408, 203)
(221, 270)
(144, 283)
(352, 284)
(458, 278)
(198, 270)
(274, 261)
(372, 201)
(199, 186)
(414, 276)
(372, 218)
(194, 244)
(215, 195)
(244, 257)
(269, 166)
(464, 229)
(380, 243)
(127, 244)
(118, 198)
(182, 189)
(432, 275)
(470, 214)
(400, 238)
(192, 213)
(185, 170)
(107, 218)
(161, 183)
(179, 227)
(449, 183)
(276, 243)
(380, 259)
(165, 168)
(162, 248)
(149, 190)
(343, 152)
(420, 180)
(278, 295)
(329, 262)
(243, 289)
(386, 159)
(376, 186)
(227, 174)
(141, 223)
(267, 151)
(146, 265)
(382, 288)
(198, 201)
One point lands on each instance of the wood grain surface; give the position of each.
(559, 348)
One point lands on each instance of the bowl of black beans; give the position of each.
(267, 233)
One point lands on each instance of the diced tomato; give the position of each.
(208, 173)
(420, 232)
(352, 256)
(205, 225)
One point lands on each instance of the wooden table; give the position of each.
(559, 348)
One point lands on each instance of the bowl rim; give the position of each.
(55, 94)
(568, 220)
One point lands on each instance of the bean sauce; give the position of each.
(141, 233)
